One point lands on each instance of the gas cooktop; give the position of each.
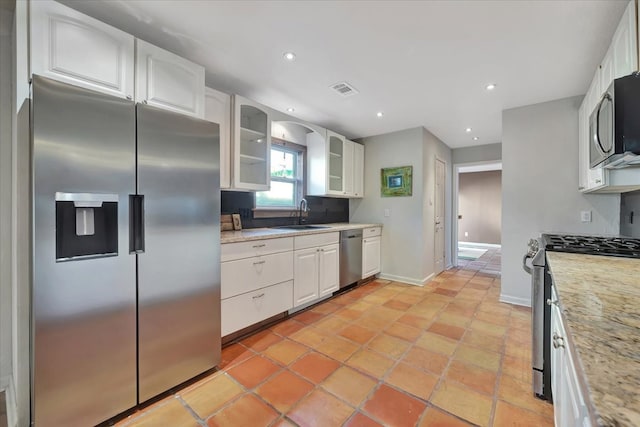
(593, 245)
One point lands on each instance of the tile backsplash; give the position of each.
(630, 214)
(323, 210)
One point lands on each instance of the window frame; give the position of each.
(299, 182)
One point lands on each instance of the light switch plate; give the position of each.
(585, 216)
(387, 212)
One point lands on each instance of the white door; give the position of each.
(305, 276)
(370, 256)
(439, 217)
(329, 279)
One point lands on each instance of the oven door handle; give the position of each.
(524, 264)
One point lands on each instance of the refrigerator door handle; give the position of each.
(136, 223)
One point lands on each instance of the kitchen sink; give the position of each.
(302, 227)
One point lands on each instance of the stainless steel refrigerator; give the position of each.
(126, 263)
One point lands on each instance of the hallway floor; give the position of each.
(386, 353)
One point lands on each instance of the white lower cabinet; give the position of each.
(568, 401)
(371, 251)
(256, 281)
(316, 267)
(244, 310)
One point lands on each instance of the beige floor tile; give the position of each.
(508, 415)
(463, 402)
(338, 348)
(370, 362)
(485, 359)
(211, 395)
(170, 414)
(412, 380)
(349, 385)
(520, 394)
(389, 346)
(437, 343)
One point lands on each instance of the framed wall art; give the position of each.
(396, 181)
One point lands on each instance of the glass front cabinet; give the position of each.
(251, 145)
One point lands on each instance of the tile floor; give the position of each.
(386, 353)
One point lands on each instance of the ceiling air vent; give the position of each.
(344, 89)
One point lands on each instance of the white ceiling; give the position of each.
(422, 63)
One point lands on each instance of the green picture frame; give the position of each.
(396, 182)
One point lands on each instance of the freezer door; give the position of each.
(84, 289)
(179, 270)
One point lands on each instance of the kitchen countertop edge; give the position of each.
(578, 281)
(275, 233)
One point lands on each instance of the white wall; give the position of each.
(478, 153)
(540, 187)
(407, 237)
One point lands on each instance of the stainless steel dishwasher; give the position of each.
(350, 257)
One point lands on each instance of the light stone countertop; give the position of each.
(600, 302)
(273, 233)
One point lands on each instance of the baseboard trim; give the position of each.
(6, 384)
(515, 300)
(407, 280)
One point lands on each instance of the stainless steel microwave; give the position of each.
(614, 125)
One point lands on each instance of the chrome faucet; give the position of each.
(303, 208)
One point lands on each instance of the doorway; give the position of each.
(477, 228)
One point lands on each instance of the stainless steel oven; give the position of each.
(540, 317)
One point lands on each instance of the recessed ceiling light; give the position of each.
(289, 56)
(475, 138)
(379, 114)
(467, 130)
(291, 109)
(491, 86)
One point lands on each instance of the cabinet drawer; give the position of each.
(371, 232)
(249, 274)
(231, 251)
(244, 310)
(313, 240)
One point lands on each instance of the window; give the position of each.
(287, 164)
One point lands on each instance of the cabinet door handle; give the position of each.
(259, 262)
(551, 302)
(260, 246)
(598, 181)
(581, 187)
(258, 296)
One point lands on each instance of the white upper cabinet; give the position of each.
(358, 170)
(621, 60)
(332, 165)
(251, 135)
(217, 109)
(622, 56)
(69, 46)
(168, 81)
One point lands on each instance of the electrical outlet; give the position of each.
(387, 212)
(466, 234)
(585, 216)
